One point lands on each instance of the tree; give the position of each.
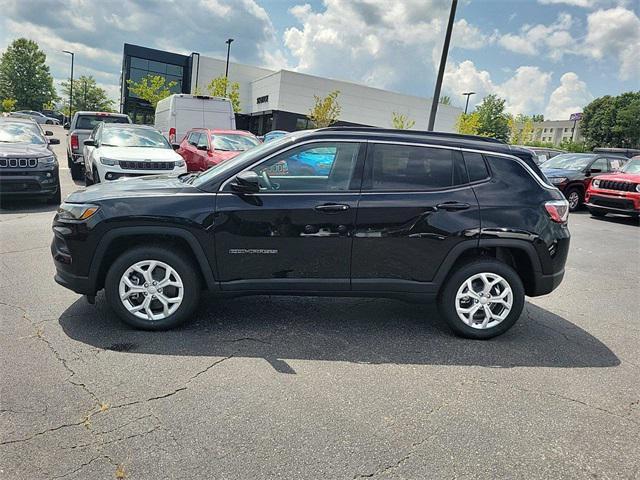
(220, 87)
(24, 75)
(8, 105)
(468, 123)
(151, 88)
(445, 100)
(493, 122)
(87, 95)
(325, 111)
(520, 129)
(537, 118)
(401, 122)
(612, 121)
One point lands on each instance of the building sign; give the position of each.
(263, 99)
(575, 117)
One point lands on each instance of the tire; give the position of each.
(574, 193)
(96, 177)
(77, 171)
(88, 181)
(56, 199)
(597, 212)
(184, 273)
(49, 122)
(472, 270)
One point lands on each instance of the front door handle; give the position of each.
(453, 206)
(332, 208)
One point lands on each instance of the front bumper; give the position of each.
(29, 182)
(624, 204)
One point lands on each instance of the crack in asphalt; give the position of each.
(177, 390)
(43, 432)
(25, 250)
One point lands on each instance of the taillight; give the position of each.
(558, 210)
(74, 142)
(172, 135)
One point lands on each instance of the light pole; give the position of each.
(226, 70)
(443, 62)
(71, 84)
(468, 94)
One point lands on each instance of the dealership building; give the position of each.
(273, 100)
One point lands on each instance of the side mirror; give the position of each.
(54, 141)
(48, 133)
(89, 143)
(66, 126)
(246, 182)
(175, 146)
(202, 147)
(595, 170)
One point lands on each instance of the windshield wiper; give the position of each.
(189, 177)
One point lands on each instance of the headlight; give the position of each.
(638, 187)
(558, 180)
(179, 163)
(109, 161)
(596, 183)
(76, 211)
(49, 161)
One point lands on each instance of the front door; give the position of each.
(416, 205)
(296, 233)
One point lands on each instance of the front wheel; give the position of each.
(575, 198)
(77, 171)
(482, 299)
(153, 288)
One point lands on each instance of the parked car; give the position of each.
(202, 148)
(542, 154)
(80, 127)
(572, 172)
(115, 151)
(28, 168)
(397, 216)
(177, 114)
(61, 117)
(617, 192)
(36, 117)
(627, 152)
(274, 134)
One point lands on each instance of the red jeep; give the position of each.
(202, 148)
(617, 192)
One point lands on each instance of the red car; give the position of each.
(202, 148)
(616, 192)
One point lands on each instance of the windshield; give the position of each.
(233, 142)
(632, 167)
(21, 133)
(246, 156)
(569, 161)
(89, 122)
(133, 137)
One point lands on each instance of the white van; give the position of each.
(179, 113)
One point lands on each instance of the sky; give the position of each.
(542, 56)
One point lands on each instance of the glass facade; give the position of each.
(141, 67)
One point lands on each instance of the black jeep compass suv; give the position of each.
(335, 211)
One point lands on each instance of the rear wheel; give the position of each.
(77, 171)
(482, 299)
(575, 198)
(152, 288)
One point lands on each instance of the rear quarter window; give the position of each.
(476, 166)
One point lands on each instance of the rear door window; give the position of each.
(89, 122)
(413, 168)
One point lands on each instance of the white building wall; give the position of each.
(211, 68)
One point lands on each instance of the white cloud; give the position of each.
(554, 39)
(524, 92)
(615, 33)
(386, 45)
(570, 97)
(585, 3)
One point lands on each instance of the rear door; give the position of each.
(296, 233)
(416, 206)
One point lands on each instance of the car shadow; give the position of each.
(24, 205)
(375, 331)
(611, 218)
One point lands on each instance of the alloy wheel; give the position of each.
(151, 290)
(574, 200)
(484, 300)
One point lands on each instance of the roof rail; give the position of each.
(460, 136)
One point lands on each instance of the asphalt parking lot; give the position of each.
(269, 387)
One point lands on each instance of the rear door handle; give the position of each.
(453, 206)
(332, 208)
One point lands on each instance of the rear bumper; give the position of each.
(544, 284)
